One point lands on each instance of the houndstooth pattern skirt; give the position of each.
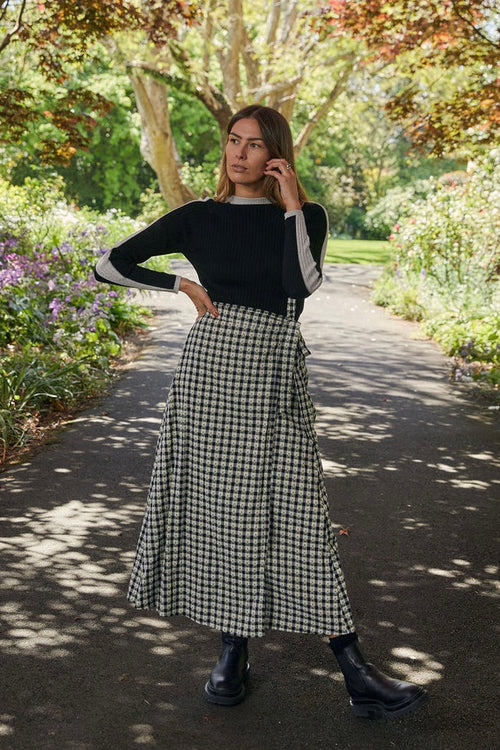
(236, 534)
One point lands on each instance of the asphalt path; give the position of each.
(411, 466)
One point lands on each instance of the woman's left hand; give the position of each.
(283, 172)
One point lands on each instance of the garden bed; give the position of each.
(445, 271)
(61, 334)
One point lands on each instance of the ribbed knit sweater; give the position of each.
(246, 251)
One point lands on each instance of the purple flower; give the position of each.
(55, 306)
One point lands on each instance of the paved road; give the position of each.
(410, 469)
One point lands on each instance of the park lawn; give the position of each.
(357, 251)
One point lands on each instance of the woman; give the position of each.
(236, 533)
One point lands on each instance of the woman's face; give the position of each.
(246, 158)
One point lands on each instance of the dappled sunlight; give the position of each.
(404, 662)
(485, 583)
(143, 734)
(332, 675)
(415, 666)
(67, 561)
(74, 549)
(5, 729)
(334, 469)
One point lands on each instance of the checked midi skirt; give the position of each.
(236, 534)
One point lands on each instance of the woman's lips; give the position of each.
(238, 168)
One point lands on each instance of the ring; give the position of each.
(288, 166)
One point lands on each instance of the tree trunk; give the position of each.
(230, 56)
(157, 143)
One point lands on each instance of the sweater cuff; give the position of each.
(295, 212)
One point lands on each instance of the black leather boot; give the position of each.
(226, 684)
(373, 694)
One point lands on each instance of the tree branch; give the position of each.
(471, 24)
(231, 60)
(207, 38)
(289, 22)
(322, 110)
(4, 6)
(273, 19)
(274, 89)
(17, 28)
(208, 95)
(250, 61)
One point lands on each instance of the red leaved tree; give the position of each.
(448, 56)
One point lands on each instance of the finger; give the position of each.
(276, 172)
(282, 164)
(212, 309)
(209, 306)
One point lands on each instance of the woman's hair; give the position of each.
(278, 139)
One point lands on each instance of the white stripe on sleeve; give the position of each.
(106, 269)
(310, 274)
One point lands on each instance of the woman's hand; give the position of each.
(283, 172)
(199, 297)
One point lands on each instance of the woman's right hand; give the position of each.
(199, 297)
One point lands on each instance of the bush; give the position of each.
(59, 329)
(446, 265)
(380, 219)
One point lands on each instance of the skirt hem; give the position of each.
(245, 633)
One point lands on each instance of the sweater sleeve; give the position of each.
(306, 237)
(120, 265)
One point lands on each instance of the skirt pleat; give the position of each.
(236, 533)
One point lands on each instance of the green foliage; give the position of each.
(152, 206)
(51, 39)
(59, 330)
(381, 219)
(446, 266)
(399, 294)
(33, 380)
(474, 339)
(110, 172)
(197, 137)
(444, 68)
(356, 158)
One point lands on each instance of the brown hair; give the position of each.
(278, 139)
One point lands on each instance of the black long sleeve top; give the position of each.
(246, 251)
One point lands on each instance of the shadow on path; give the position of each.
(412, 475)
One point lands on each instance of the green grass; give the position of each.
(357, 251)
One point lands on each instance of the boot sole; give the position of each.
(377, 710)
(212, 696)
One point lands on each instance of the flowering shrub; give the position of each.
(59, 328)
(380, 220)
(446, 266)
